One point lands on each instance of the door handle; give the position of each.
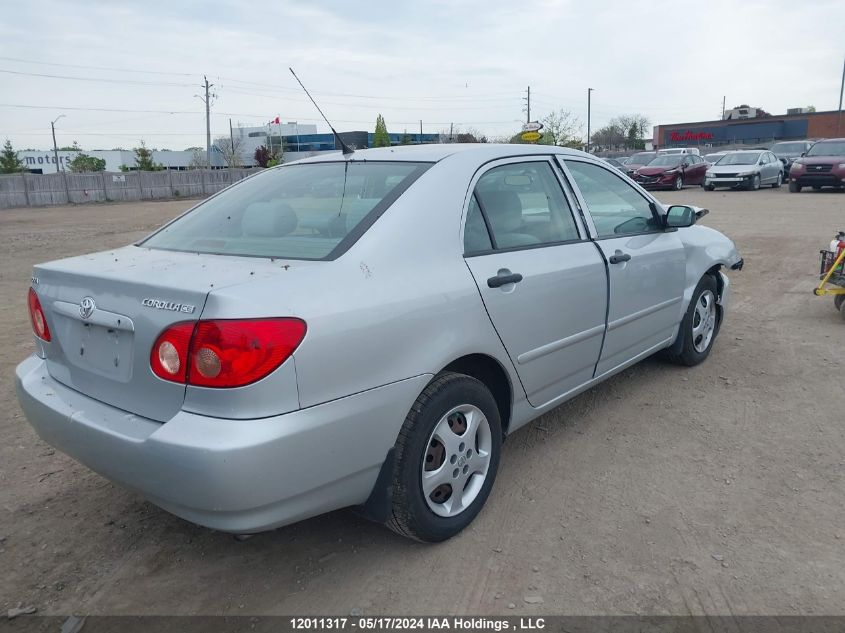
(503, 279)
(618, 257)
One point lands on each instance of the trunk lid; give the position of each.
(106, 310)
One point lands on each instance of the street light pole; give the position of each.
(589, 92)
(56, 155)
(841, 91)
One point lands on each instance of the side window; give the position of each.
(615, 206)
(524, 205)
(476, 236)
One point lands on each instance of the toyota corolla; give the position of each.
(363, 330)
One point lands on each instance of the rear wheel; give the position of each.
(842, 310)
(794, 187)
(700, 325)
(678, 184)
(754, 183)
(447, 455)
(778, 182)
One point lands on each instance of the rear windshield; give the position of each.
(307, 211)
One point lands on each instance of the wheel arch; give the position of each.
(493, 375)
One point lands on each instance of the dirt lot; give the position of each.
(713, 490)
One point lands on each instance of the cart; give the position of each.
(832, 276)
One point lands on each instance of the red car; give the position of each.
(823, 165)
(672, 171)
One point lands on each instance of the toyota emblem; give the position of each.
(87, 307)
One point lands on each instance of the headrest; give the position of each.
(268, 219)
(504, 209)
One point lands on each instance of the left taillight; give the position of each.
(225, 353)
(36, 317)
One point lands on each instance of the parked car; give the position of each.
(672, 171)
(244, 372)
(822, 166)
(745, 169)
(680, 150)
(640, 159)
(788, 151)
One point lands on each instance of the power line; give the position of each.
(95, 79)
(122, 70)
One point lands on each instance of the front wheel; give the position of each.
(778, 182)
(838, 300)
(794, 187)
(679, 183)
(709, 187)
(700, 325)
(754, 183)
(447, 455)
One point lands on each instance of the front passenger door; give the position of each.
(646, 265)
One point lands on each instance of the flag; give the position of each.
(276, 121)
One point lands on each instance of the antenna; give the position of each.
(347, 151)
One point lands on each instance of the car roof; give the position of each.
(831, 140)
(435, 152)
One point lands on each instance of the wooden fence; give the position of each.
(36, 190)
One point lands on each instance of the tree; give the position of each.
(84, 162)
(197, 158)
(406, 139)
(381, 138)
(9, 161)
(230, 148)
(144, 159)
(560, 128)
(262, 155)
(71, 148)
(810, 108)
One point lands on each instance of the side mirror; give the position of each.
(680, 215)
(803, 153)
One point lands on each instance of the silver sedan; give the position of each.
(744, 169)
(363, 331)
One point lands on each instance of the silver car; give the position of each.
(745, 169)
(363, 331)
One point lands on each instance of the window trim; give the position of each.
(343, 246)
(582, 229)
(652, 203)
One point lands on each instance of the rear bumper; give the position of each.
(233, 475)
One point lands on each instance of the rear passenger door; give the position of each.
(646, 264)
(543, 283)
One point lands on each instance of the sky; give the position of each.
(122, 72)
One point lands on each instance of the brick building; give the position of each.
(756, 131)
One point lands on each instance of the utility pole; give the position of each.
(841, 90)
(207, 101)
(589, 93)
(451, 127)
(527, 99)
(232, 142)
(723, 108)
(56, 155)
(420, 131)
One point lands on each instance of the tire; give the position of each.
(448, 401)
(678, 183)
(817, 188)
(709, 187)
(754, 183)
(794, 187)
(697, 341)
(838, 300)
(778, 182)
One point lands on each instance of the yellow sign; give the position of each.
(531, 136)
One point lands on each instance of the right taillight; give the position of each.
(226, 352)
(36, 317)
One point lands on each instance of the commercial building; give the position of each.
(750, 131)
(44, 162)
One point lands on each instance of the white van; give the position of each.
(680, 150)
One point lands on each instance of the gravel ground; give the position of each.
(711, 490)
